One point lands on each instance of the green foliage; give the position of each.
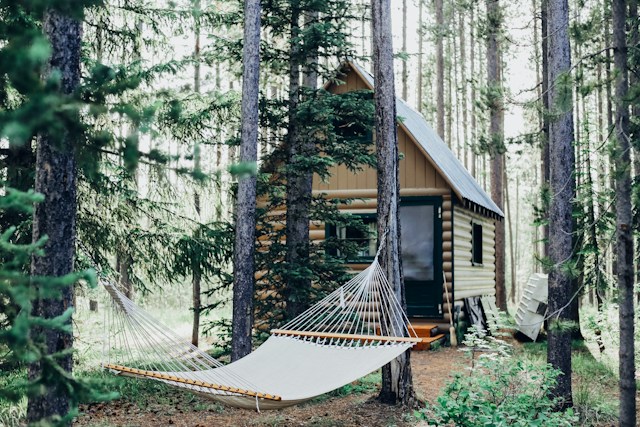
(499, 390)
(340, 126)
(20, 338)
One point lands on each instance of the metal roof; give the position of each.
(435, 149)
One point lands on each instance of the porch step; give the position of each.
(424, 330)
(429, 332)
(428, 342)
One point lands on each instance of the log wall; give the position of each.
(473, 280)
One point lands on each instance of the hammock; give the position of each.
(353, 331)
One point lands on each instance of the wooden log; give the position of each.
(373, 193)
(354, 337)
(157, 375)
(317, 234)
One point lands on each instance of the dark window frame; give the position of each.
(332, 231)
(477, 244)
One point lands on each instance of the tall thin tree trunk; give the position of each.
(419, 100)
(544, 4)
(405, 75)
(606, 7)
(472, 60)
(634, 40)
(562, 166)
(464, 82)
(196, 275)
(454, 94)
(244, 249)
(496, 133)
(593, 241)
(299, 180)
(397, 382)
(439, 68)
(624, 219)
(55, 216)
(448, 105)
(512, 257)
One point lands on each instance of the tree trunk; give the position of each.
(544, 4)
(606, 7)
(196, 276)
(299, 178)
(472, 60)
(496, 133)
(635, 143)
(448, 105)
(420, 53)
(624, 235)
(439, 68)
(562, 165)
(464, 81)
(593, 241)
(397, 383)
(244, 249)
(512, 257)
(405, 74)
(55, 217)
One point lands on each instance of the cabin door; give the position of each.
(421, 237)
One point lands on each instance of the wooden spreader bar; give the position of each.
(160, 376)
(344, 336)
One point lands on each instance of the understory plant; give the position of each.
(498, 390)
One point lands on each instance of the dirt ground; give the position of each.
(431, 369)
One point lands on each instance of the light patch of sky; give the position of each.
(519, 73)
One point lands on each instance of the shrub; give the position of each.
(498, 390)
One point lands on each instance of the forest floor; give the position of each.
(148, 403)
(352, 405)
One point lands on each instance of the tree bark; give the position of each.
(420, 53)
(634, 39)
(624, 235)
(439, 68)
(397, 383)
(512, 257)
(545, 118)
(472, 60)
(405, 74)
(244, 249)
(561, 223)
(598, 285)
(196, 276)
(463, 82)
(299, 178)
(496, 133)
(55, 217)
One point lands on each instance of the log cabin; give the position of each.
(447, 219)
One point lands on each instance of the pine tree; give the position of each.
(624, 235)
(397, 382)
(439, 36)
(562, 186)
(244, 248)
(496, 135)
(55, 217)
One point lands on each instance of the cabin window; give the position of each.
(476, 241)
(365, 240)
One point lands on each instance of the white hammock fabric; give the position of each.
(353, 331)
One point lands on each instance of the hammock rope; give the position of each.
(351, 332)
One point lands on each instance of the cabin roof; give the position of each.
(436, 151)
